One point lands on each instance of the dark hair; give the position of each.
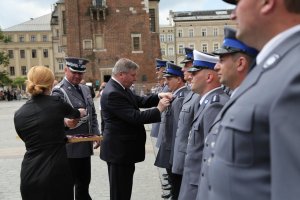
(292, 6)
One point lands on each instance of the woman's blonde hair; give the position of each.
(39, 80)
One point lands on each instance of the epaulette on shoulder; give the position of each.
(59, 85)
(215, 99)
(181, 94)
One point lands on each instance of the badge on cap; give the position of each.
(76, 64)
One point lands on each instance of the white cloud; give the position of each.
(14, 12)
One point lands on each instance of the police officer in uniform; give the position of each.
(232, 68)
(79, 96)
(256, 155)
(205, 82)
(168, 126)
(186, 116)
(161, 87)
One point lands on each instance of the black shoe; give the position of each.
(168, 187)
(165, 196)
(166, 178)
(164, 184)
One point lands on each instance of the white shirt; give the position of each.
(205, 95)
(118, 82)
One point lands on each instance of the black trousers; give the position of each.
(81, 172)
(120, 180)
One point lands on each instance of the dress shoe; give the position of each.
(168, 187)
(165, 196)
(164, 184)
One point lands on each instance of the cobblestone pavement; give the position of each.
(147, 178)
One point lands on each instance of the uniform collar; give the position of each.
(274, 42)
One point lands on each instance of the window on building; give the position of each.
(180, 49)
(99, 42)
(61, 66)
(136, 42)
(21, 38)
(22, 53)
(216, 46)
(60, 49)
(192, 46)
(191, 32)
(180, 33)
(33, 53)
(57, 32)
(45, 53)
(170, 38)
(215, 31)
(152, 20)
(204, 48)
(12, 71)
(87, 44)
(171, 51)
(45, 38)
(11, 53)
(64, 22)
(163, 51)
(23, 70)
(33, 38)
(162, 38)
(203, 32)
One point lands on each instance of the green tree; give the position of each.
(4, 79)
(19, 81)
(4, 59)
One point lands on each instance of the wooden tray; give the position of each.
(82, 138)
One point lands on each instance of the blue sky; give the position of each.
(14, 12)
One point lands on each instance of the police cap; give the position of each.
(76, 64)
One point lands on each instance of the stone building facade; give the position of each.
(104, 31)
(201, 30)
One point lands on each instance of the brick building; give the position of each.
(104, 31)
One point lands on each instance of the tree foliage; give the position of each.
(19, 81)
(4, 79)
(4, 59)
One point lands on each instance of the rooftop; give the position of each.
(35, 24)
(200, 15)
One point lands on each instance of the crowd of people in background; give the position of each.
(13, 94)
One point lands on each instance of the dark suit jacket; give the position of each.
(124, 132)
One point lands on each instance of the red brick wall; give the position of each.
(117, 28)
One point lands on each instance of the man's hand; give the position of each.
(167, 95)
(82, 112)
(71, 123)
(163, 104)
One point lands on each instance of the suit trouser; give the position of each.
(81, 172)
(120, 180)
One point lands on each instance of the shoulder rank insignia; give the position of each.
(215, 98)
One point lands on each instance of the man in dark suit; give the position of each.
(79, 96)
(124, 133)
(256, 155)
